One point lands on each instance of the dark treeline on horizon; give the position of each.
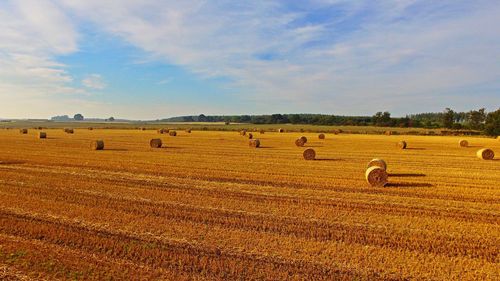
(478, 120)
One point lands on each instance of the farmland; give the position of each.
(206, 206)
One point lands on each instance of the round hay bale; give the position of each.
(376, 176)
(155, 143)
(299, 142)
(262, 131)
(40, 128)
(243, 132)
(143, 129)
(377, 163)
(163, 131)
(23, 131)
(90, 128)
(250, 136)
(172, 133)
(321, 136)
(463, 143)
(281, 130)
(485, 154)
(402, 144)
(254, 143)
(304, 139)
(97, 145)
(188, 131)
(309, 154)
(301, 130)
(42, 135)
(69, 130)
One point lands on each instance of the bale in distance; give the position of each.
(376, 176)
(69, 130)
(250, 136)
(376, 162)
(262, 131)
(42, 135)
(23, 131)
(163, 131)
(243, 132)
(188, 131)
(402, 144)
(387, 133)
(281, 130)
(254, 143)
(90, 128)
(485, 154)
(97, 145)
(155, 143)
(463, 143)
(321, 136)
(172, 133)
(309, 154)
(143, 129)
(304, 139)
(299, 142)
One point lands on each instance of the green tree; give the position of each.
(476, 118)
(78, 117)
(448, 118)
(492, 124)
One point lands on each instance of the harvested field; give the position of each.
(207, 207)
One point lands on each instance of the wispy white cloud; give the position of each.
(340, 56)
(370, 50)
(94, 81)
(32, 34)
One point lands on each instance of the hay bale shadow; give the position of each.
(409, 184)
(329, 159)
(404, 175)
(414, 148)
(12, 162)
(115, 149)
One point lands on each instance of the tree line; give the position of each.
(478, 120)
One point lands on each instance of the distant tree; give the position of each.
(202, 118)
(492, 124)
(78, 117)
(475, 119)
(60, 118)
(382, 119)
(448, 118)
(111, 119)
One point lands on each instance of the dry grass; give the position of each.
(212, 209)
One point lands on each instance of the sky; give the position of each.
(145, 59)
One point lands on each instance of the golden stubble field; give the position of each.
(209, 207)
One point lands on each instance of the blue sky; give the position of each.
(153, 59)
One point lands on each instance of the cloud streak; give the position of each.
(331, 56)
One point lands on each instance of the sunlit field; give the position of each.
(206, 206)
